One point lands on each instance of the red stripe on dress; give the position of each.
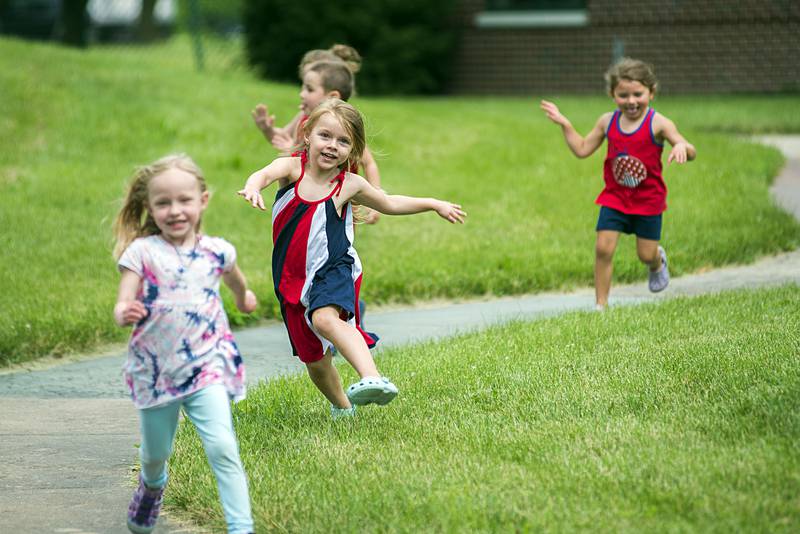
(293, 276)
(283, 217)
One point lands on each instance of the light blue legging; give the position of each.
(210, 411)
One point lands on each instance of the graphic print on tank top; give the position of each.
(629, 171)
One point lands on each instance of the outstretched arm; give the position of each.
(277, 170)
(245, 299)
(682, 150)
(264, 121)
(128, 309)
(580, 146)
(281, 138)
(404, 205)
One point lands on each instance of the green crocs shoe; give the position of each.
(341, 413)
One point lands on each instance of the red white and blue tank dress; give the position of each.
(314, 264)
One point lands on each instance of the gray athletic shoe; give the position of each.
(659, 280)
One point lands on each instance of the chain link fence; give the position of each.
(209, 31)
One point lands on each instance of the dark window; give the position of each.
(535, 5)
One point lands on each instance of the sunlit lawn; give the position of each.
(74, 124)
(677, 417)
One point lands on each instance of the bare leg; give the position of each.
(347, 339)
(647, 249)
(605, 246)
(325, 376)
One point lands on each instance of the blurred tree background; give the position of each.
(407, 45)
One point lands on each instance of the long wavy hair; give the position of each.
(134, 219)
(351, 121)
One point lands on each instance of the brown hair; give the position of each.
(337, 52)
(335, 76)
(349, 55)
(349, 118)
(134, 219)
(631, 69)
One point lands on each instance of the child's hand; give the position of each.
(678, 153)
(551, 110)
(451, 212)
(282, 141)
(370, 215)
(253, 196)
(130, 312)
(248, 303)
(262, 118)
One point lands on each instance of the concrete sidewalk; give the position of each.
(69, 432)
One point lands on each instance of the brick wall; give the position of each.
(701, 46)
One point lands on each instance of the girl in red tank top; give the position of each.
(634, 196)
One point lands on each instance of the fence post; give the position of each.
(195, 30)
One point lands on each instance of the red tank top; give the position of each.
(632, 169)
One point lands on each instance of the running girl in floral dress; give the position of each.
(181, 353)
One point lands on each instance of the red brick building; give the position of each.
(700, 46)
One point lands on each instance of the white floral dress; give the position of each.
(184, 343)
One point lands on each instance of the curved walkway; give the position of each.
(69, 432)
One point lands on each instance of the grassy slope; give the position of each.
(75, 124)
(677, 417)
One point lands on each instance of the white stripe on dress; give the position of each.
(316, 249)
(281, 203)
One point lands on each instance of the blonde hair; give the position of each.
(351, 121)
(337, 52)
(634, 70)
(134, 219)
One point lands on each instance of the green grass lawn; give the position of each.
(675, 417)
(76, 123)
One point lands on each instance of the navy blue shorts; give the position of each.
(644, 226)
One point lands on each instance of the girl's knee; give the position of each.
(325, 320)
(647, 252)
(645, 256)
(604, 251)
(222, 450)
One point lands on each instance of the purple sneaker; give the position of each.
(144, 508)
(659, 279)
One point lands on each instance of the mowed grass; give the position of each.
(74, 125)
(675, 417)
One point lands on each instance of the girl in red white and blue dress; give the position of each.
(634, 197)
(315, 268)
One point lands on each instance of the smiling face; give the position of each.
(329, 144)
(632, 98)
(312, 92)
(176, 203)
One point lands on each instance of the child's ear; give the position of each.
(334, 94)
(204, 199)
